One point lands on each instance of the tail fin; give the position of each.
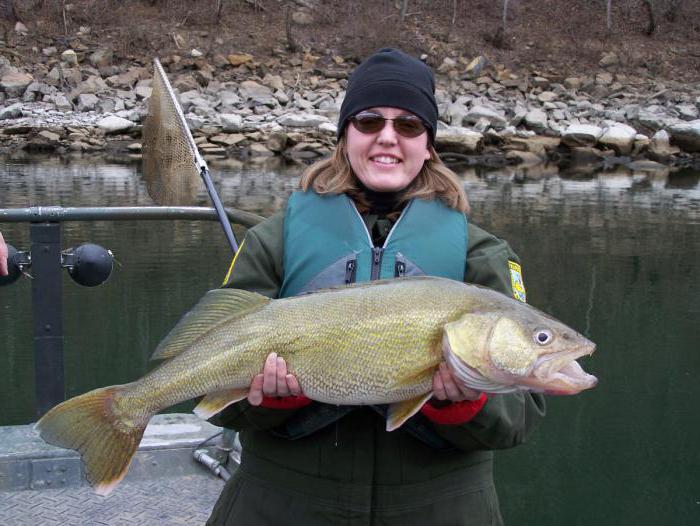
(105, 440)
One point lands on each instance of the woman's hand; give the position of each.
(3, 256)
(273, 381)
(446, 388)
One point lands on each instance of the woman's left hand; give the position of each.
(447, 388)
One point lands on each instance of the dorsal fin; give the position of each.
(216, 306)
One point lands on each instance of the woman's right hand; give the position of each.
(3, 256)
(273, 381)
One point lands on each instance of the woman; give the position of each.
(382, 206)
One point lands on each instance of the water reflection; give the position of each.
(612, 253)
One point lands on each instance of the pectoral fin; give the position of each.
(401, 411)
(215, 402)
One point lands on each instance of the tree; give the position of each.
(649, 8)
(609, 10)
(7, 11)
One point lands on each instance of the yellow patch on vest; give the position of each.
(516, 281)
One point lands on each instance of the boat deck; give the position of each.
(44, 485)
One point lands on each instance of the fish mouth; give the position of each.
(561, 374)
(553, 374)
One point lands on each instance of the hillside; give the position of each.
(569, 37)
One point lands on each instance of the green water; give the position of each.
(612, 254)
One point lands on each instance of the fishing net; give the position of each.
(171, 162)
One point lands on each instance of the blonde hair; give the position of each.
(434, 181)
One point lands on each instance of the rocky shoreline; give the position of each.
(78, 101)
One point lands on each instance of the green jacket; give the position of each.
(353, 471)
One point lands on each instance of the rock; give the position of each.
(475, 67)
(114, 124)
(21, 29)
(62, 103)
(231, 122)
(619, 137)
(455, 113)
(328, 128)
(143, 92)
(609, 59)
(281, 97)
(260, 150)
(228, 139)
(185, 83)
(301, 120)
(273, 81)
(456, 139)
(687, 112)
(490, 115)
(194, 122)
(586, 155)
(69, 57)
(12, 111)
(15, 82)
(49, 136)
(541, 82)
(651, 120)
(524, 158)
(238, 59)
(660, 148)
(604, 79)
(128, 79)
(641, 142)
(87, 102)
(92, 84)
(686, 136)
(536, 119)
(229, 98)
(195, 53)
(257, 93)
(538, 145)
(573, 83)
(581, 135)
(135, 147)
(447, 64)
(547, 96)
(277, 141)
(203, 76)
(101, 58)
(49, 51)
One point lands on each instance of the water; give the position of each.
(613, 254)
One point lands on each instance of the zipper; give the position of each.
(350, 271)
(377, 253)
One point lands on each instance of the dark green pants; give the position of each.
(253, 498)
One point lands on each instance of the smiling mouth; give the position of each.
(385, 159)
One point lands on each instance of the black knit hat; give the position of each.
(394, 79)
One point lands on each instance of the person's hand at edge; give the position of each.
(3, 257)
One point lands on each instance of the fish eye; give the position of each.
(543, 336)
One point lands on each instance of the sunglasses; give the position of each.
(408, 126)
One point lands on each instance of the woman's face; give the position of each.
(385, 161)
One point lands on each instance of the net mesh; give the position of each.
(169, 156)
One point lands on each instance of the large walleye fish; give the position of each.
(372, 343)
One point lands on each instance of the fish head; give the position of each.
(523, 348)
